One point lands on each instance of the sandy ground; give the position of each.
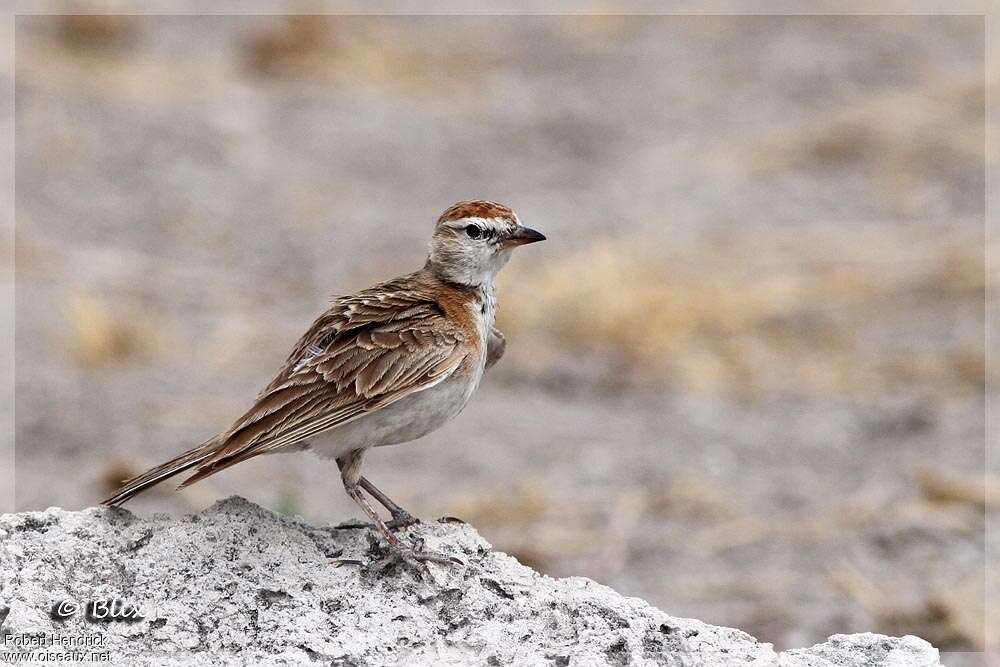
(745, 375)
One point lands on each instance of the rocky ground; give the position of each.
(238, 582)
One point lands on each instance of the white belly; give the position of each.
(407, 419)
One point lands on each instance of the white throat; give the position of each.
(470, 271)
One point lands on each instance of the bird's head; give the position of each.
(474, 239)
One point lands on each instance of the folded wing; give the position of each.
(368, 351)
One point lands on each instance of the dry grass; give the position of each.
(603, 527)
(90, 53)
(595, 33)
(291, 45)
(807, 313)
(134, 78)
(951, 618)
(361, 51)
(103, 32)
(979, 491)
(100, 334)
(912, 144)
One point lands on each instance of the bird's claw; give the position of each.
(412, 556)
(402, 519)
(399, 520)
(415, 560)
(337, 562)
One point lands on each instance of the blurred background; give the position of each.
(745, 376)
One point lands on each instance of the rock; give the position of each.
(865, 648)
(237, 583)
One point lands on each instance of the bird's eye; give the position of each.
(473, 231)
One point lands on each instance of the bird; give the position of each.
(384, 366)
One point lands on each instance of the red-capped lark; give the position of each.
(384, 366)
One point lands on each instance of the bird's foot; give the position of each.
(399, 520)
(413, 557)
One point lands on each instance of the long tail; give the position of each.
(153, 476)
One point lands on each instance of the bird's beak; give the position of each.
(522, 236)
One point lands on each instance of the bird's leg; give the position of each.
(400, 517)
(399, 553)
(355, 493)
(350, 472)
